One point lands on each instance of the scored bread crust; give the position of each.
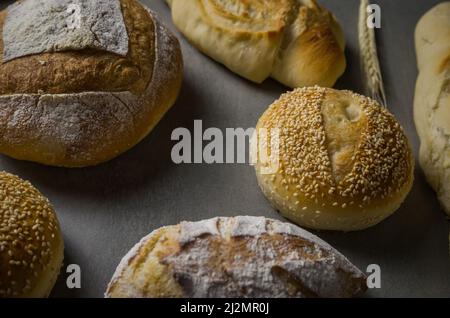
(432, 99)
(234, 257)
(76, 109)
(343, 162)
(86, 70)
(297, 42)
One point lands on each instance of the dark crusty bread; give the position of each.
(86, 70)
(85, 106)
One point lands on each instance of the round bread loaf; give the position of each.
(234, 257)
(340, 160)
(296, 42)
(82, 82)
(31, 244)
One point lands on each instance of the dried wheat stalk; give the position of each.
(369, 57)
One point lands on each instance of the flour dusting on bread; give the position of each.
(38, 26)
(244, 257)
(241, 256)
(82, 126)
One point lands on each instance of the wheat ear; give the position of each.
(369, 57)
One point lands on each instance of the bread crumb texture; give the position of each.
(29, 236)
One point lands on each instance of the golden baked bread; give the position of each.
(432, 99)
(296, 42)
(31, 244)
(342, 161)
(234, 257)
(79, 96)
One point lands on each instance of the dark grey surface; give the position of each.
(105, 210)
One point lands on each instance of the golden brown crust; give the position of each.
(146, 261)
(87, 70)
(296, 42)
(314, 52)
(344, 162)
(445, 65)
(30, 240)
(90, 127)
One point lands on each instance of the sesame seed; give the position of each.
(377, 167)
(24, 219)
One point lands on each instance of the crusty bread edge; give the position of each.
(158, 98)
(288, 229)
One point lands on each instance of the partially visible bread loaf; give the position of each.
(342, 162)
(78, 95)
(432, 99)
(432, 35)
(31, 244)
(234, 257)
(297, 42)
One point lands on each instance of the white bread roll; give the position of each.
(31, 244)
(234, 257)
(297, 42)
(432, 35)
(77, 96)
(432, 99)
(343, 161)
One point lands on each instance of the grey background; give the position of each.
(105, 210)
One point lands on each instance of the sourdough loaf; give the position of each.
(234, 257)
(82, 81)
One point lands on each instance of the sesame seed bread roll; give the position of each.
(296, 42)
(234, 257)
(31, 244)
(83, 81)
(342, 161)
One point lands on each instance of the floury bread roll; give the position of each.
(31, 244)
(82, 81)
(432, 99)
(296, 42)
(234, 257)
(341, 161)
(432, 35)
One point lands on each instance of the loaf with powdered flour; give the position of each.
(432, 99)
(234, 257)
(82, 81)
